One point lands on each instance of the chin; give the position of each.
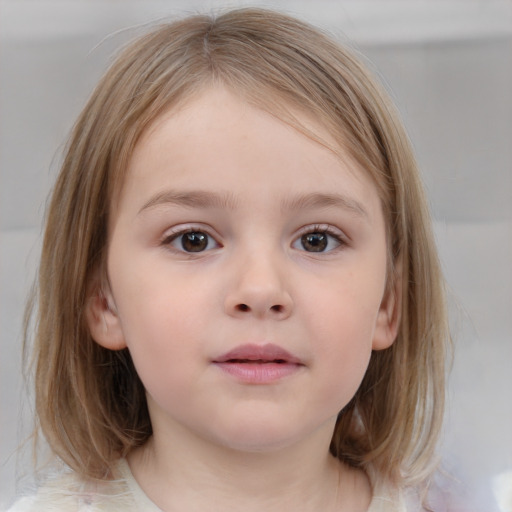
(259, 445)
(263, 436)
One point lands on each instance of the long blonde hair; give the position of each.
(90, 402)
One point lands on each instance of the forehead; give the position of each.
(217, 140)
(219, 120)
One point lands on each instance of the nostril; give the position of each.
(245, 308)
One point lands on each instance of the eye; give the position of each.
(191, 241)
(318, 240)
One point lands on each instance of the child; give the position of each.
(240, 303)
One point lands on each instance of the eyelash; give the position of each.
(180, 233)
(331, 232)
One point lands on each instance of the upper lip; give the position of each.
(252, 352)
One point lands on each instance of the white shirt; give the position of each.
(68, 493)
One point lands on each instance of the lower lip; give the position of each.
(259, 373)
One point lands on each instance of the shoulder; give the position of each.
(68, 493)
(26, 504)
(389, 498)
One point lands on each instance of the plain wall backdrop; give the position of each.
(447, 64)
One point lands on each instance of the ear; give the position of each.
(103, 320)
(390, 312)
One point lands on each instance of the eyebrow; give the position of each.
(226, 200)
(320, 200)
(192, 199)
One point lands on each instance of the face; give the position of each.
(247, 266)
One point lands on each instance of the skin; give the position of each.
(254, 188)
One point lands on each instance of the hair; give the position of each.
(90, 403)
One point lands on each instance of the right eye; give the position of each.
(191, 241)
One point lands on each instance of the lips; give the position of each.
(258, 353)
(258, 364)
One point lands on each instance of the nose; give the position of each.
(258, 289)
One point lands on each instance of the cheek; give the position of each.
(165, 356)
(345, 309)
(342, 326)
(162, 328)
(155, 303)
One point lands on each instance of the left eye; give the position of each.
(191, 241)
(317, 241)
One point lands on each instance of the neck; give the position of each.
(197, 475)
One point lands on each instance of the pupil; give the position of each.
(194, 241)
(314, 242)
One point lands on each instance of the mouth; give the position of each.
(256, 361)
(258, 364)
(258, 354)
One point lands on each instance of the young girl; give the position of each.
(240, 303)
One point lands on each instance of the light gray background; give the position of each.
(448, 65)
